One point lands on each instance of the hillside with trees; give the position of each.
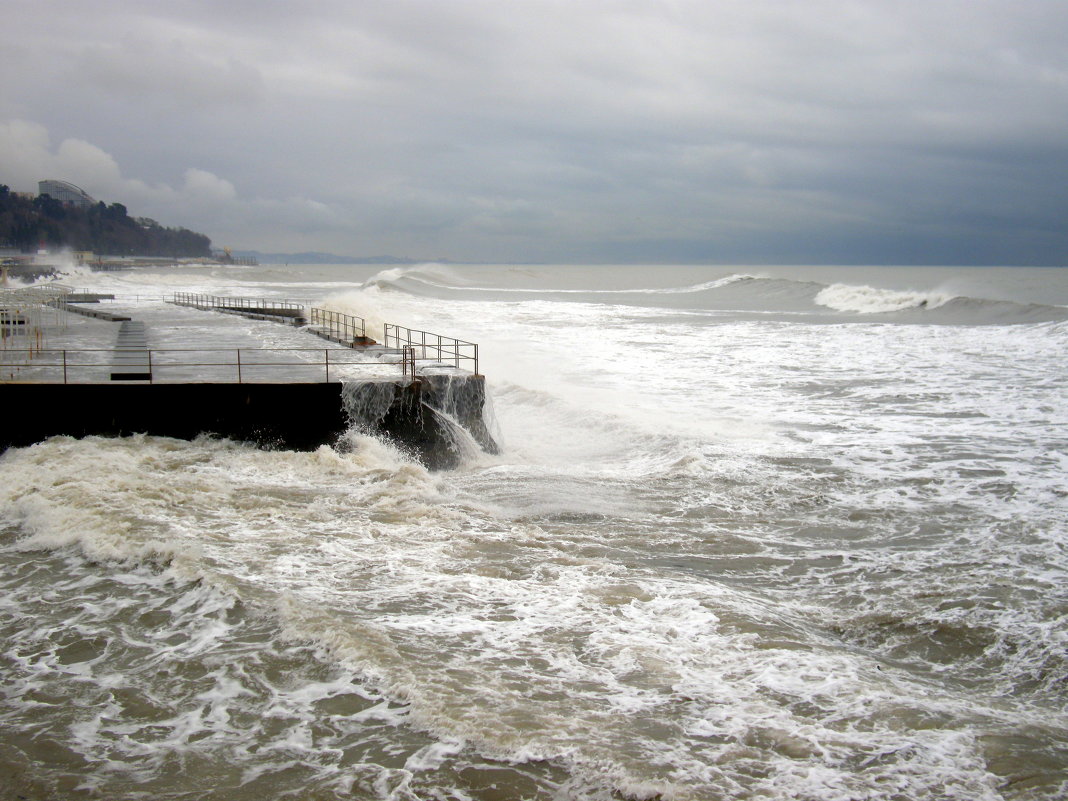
(25, 223)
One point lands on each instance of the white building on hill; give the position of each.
(64, 192)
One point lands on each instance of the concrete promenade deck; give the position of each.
(184, 372)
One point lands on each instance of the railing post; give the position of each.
(239, 366)
(64, 366)
(326, 362)
(150, 368)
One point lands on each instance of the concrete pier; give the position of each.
(293, 416)
(438, 419)
(268, 397)
(98, 314)
(285, 416)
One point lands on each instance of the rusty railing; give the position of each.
(446, 350)
(347, 327)
(265, 305)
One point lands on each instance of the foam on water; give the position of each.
(517, 652)
(869, 300)
(717, 557)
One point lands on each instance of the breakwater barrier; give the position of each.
(293, 416)
(346, 329)
(422, 391)
(294, 398)
(283, 310)
(77, 305)
(412, 344)
(425, 346)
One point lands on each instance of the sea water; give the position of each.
(769, 533)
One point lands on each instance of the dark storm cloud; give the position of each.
(529, 130)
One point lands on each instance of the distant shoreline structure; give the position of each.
(34, 267)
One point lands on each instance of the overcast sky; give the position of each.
(741, 131)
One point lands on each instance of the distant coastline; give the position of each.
(318, 257)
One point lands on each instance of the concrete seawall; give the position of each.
(438, 419)
(435, 414)
(288, 416)
(295, 416)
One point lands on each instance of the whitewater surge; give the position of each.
(869, 300)
(766, 536)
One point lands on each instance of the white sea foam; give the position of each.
(870, 300)
(717, 558)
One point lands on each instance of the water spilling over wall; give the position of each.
(439, 419)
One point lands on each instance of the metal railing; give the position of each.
(432, 346)
(345, 326)
(189, 365)
(25, 315)
(41, 294)
(111, 297)
(265, 305)
(408, 362)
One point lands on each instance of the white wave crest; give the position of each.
(870, 300)
(361, 303)
(431, 273)
(702, 287)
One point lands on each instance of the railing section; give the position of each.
(423, 345)
(235, 303)
(408, 362)
(25, 314)
(432, 346)
(187, 365)
(345, 326)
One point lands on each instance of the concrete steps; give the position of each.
(132, 361)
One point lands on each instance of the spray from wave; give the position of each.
(871, 300)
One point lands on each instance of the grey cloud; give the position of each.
(168, 71)
(849, 131)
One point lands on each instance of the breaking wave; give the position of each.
(735, 292)
(869, 300)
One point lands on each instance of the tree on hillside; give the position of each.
(101, 228)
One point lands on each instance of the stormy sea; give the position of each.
(752, 533)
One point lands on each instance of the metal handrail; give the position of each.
(233, 303)
(408, 362)
(345, 326)
(112, 297)
(445, 349)
(239, 363)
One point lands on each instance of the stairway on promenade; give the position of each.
(132, 361)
